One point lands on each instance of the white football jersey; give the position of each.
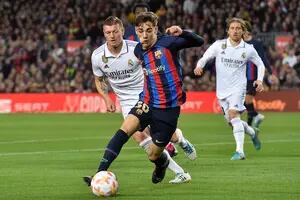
(123, 72)
(231, 65)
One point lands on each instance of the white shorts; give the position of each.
(126, 108)
(233, 102)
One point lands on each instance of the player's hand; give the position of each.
(174, 30)
(273, 79)
(259, 86)
(110, 106)
(198, 71)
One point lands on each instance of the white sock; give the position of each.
(173, 166)
(181, 140)
(145, 144)
(248, 129)
(238, 133)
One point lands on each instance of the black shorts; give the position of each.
(251, 89)
(163, 122)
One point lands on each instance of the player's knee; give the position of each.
(232, 114)
(130, 125)
(139, 136)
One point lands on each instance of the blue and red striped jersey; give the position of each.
(130, 34)
(251, 68)
(162, 70)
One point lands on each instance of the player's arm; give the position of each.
(261, 52)
(102, 88)
(184, 39)
(254, 57)
(209, 54)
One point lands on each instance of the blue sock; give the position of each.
(251, 112)
(113, 149)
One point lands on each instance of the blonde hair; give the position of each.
(236, 19)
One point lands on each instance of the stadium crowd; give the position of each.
(34, 35)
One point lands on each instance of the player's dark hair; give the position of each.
(140, 5)
(112, 20)
(146, 17)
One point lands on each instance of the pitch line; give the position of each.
(51, 140)
(128, 148)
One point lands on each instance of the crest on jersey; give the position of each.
(158, 54)
(130, 62)
(104, 59)
(224, 45)
(244, 55)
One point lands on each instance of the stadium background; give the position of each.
(45, 49)
(45, 46)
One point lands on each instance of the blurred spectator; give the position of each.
(290, 59)
(34, 37)
(190, 6)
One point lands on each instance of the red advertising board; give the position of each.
(282, 101)
(52, 103)
(282, 41)
(74, 44)
(197, 102)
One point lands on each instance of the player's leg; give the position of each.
(238, 133)
(163, 125)
(161, 161)
(231, 107)
(253, 133)
(145, 144)
(254, 118)
(186, 146)
(170, 146)
(144, 140)
(130, 125)
(180, 175)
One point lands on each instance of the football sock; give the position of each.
(113, 149)
(173, 166)
(238, 133)
(251, 112)
(248, 129)
(145, 144)
(181, 140)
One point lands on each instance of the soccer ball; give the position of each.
(105, 184)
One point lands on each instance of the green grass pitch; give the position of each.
(44, 156)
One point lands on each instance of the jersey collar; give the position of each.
(240, 45)
(108, 54)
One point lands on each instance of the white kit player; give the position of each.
(115, 60)
(231, 56)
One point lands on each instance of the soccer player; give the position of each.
(116, 61)
(231, 56)
(130, 34)
(254, 118)
(159, 102)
